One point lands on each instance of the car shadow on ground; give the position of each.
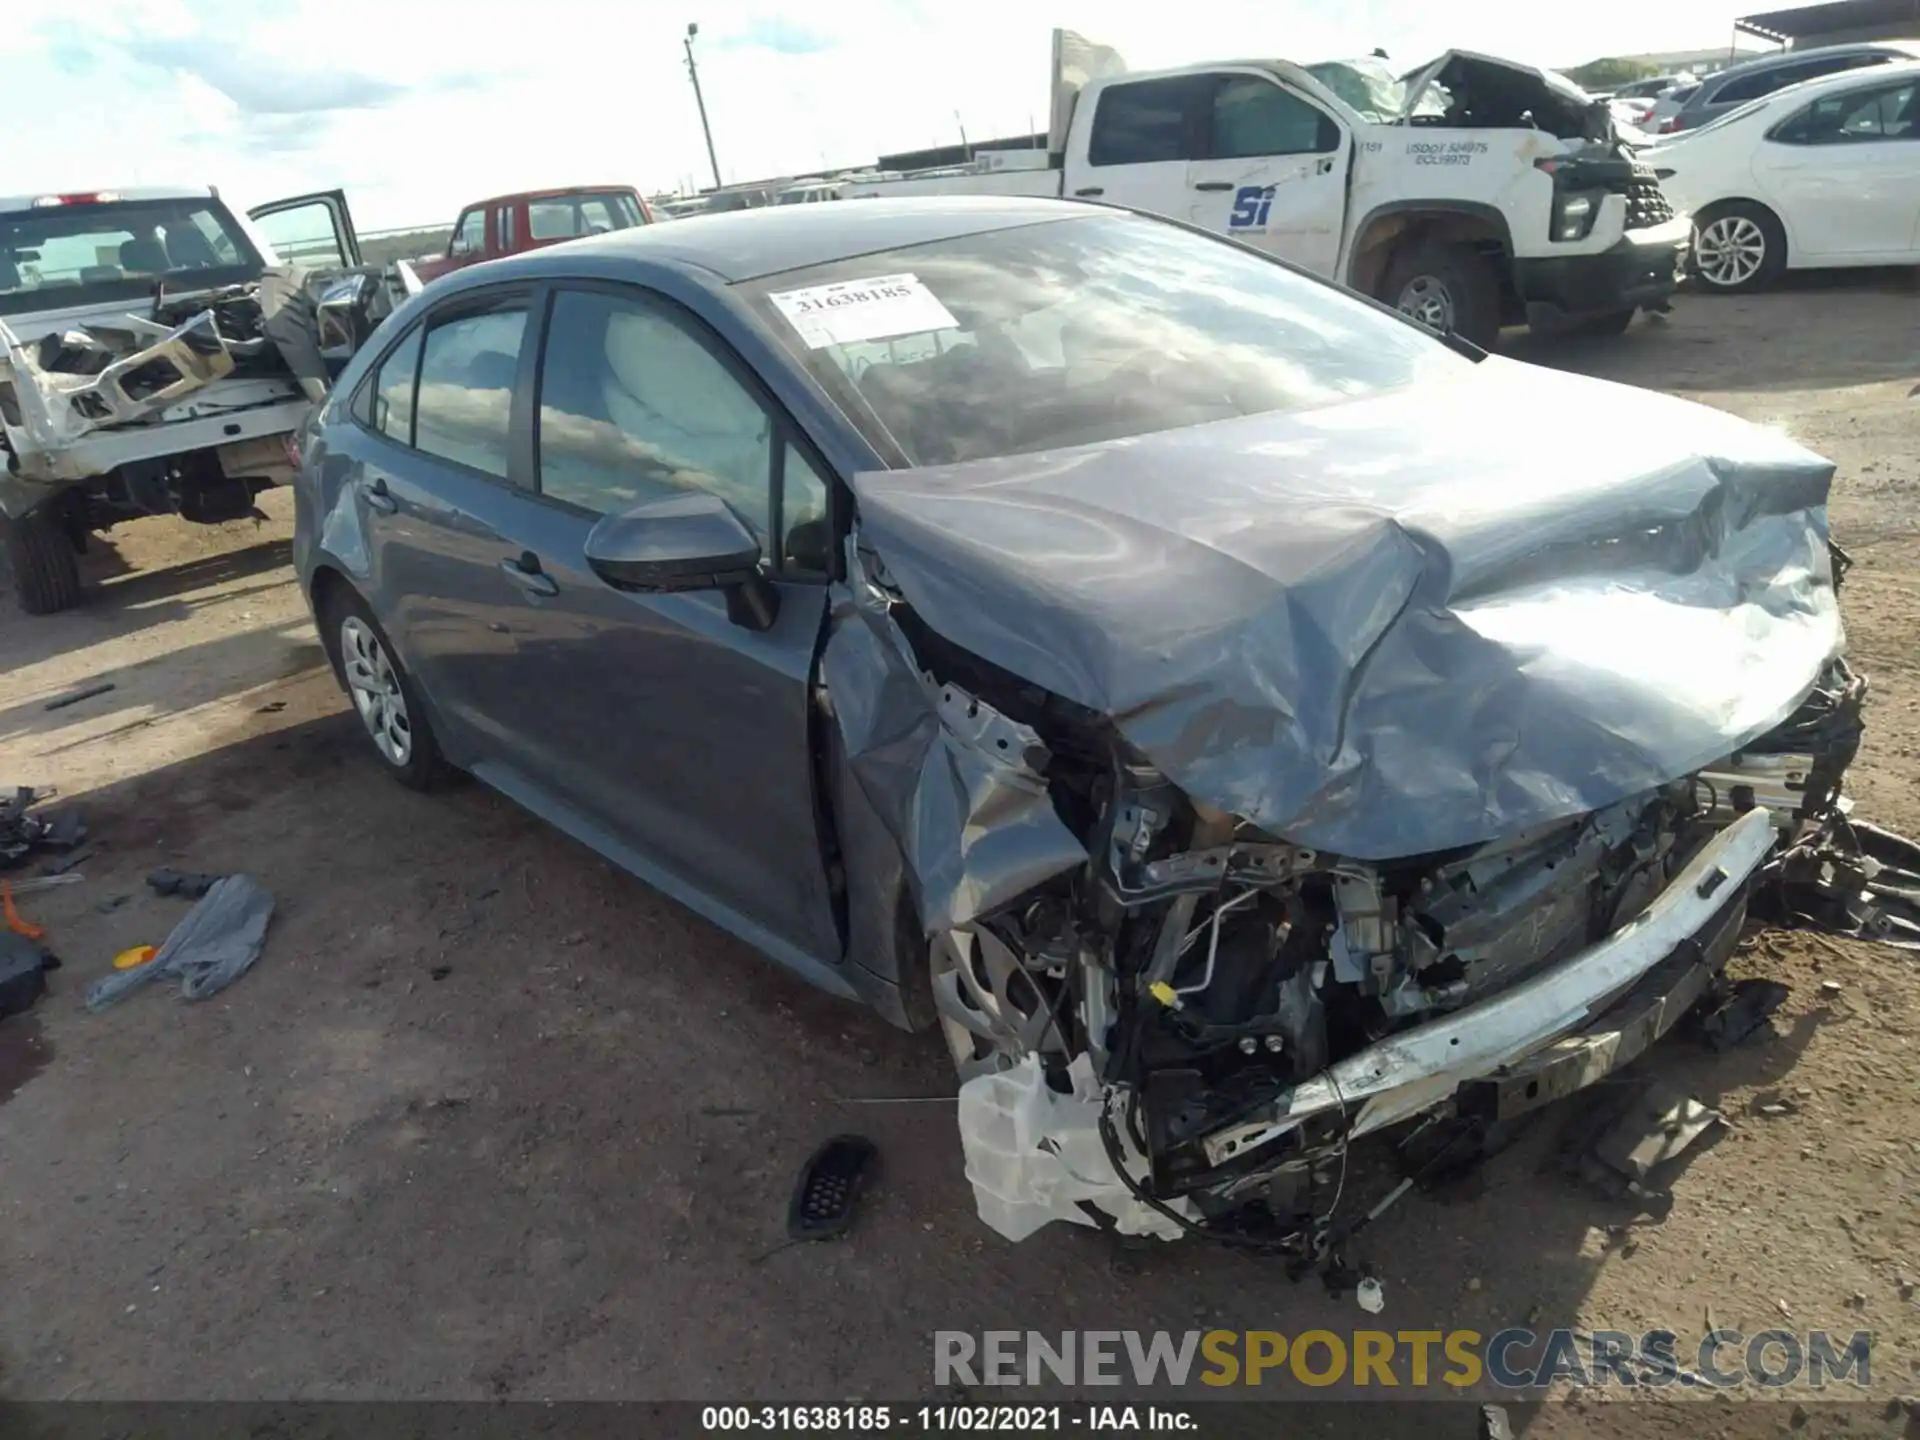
(152, 596)
(1729, 342)
(481, 1075)
(151, 689)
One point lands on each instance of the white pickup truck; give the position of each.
(1473, 193)
(156, 350)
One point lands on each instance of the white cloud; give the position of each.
(416, 107)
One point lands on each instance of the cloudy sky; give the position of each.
(415, 106)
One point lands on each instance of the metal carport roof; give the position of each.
(1805, 21)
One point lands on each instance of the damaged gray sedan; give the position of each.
(1236, 718)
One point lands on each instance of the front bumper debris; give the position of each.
(1417, 1069)
(1643, 270)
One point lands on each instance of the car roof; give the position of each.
(1795, 57)
(555, 193)
(748, 244)
(1892, 71)
(119, 192)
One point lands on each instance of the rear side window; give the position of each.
(1751, 87)
(1252, 116)
(563, 217)
(1885, 112)
(1835, 65)
(465, 398)
(392, 390)
(1147, 121)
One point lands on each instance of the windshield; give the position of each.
(1367, 85)
(563, 217)
(1075, 331)
(57, 256)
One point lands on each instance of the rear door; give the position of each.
(437, 487)
(656, 718)
(1142, 136)
(1845, 171)
(1272, 170)
(312, 230)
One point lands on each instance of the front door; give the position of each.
(1847, 172)
(312, 230)
(677, 731)
(1144, 134)
(1272, 172)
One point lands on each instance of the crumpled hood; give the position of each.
(1403, 624)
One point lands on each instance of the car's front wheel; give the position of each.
(383, 694)
(1447, 288)
(1738, 246)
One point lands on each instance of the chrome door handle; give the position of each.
(379, 499)
(525, 572)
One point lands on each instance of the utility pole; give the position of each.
(705, 129)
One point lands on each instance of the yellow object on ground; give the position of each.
(138, 955)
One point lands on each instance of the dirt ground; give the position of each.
(492, 1120)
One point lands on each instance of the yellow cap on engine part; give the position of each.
(1165, 994)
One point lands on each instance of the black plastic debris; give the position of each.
(1736, 1011)
(68, 861)
(1660, 1125)
(830, 1186)
(23, 973)
(25, 830)
(74, 697)
(187, 884)
(1618, 1148)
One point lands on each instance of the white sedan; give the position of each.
(1824, 174)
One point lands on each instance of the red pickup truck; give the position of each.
(510, 224)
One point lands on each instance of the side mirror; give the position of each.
(685, 542)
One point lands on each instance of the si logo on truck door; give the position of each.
(1250, 206)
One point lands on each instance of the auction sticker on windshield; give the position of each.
(850, 311)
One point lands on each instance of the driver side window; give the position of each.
(633, 407)
(471, 236)
(1253, 117)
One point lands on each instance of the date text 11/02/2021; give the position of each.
(859, 1419)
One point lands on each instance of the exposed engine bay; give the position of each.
(1196, 972)
(1380, 791)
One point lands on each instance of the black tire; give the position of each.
(43, 563)
(421, 766)
(1612, 322)
(1773, 236)
(1462, 275)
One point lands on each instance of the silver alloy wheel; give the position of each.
(1729, 251)
(376, 690)
(989, 1019)
(1427, 299)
